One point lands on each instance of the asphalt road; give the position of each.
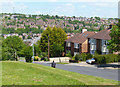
(105, 73)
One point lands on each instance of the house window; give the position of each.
(104, 47)
(92, 41)
(68, 44)
(92, 46)
(104, 42)
(76, 45)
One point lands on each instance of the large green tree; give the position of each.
(114, 43)
(56, 35)
(27, 52)
(11, 48)
(57, 49)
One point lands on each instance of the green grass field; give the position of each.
(21, 73)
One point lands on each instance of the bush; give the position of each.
(69, 54)
(46, 59)
(96, 53)
(36, 58)
(28, 53)
(78, 57)
(83, 56)
(109, 58)
(28, 59)
(89, 56)
(73, 58)
(44, 54)
(100, 59)
(118, 57)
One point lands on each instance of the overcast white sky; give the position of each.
(85, 8)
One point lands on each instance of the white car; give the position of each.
(90, 61)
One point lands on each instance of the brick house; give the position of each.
(98, 42)
(78, 43)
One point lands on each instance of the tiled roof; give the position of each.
(103, 34)
(80, 38)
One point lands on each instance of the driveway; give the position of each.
(87, 70)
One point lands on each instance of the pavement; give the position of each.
(83, 68)
(102, 66)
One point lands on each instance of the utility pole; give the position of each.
(48, 47)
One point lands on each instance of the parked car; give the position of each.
(90, 61)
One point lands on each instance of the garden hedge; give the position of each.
(109, 58)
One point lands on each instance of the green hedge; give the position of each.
(69, 54)
(83, 56)
(109, 58)
(77, 57)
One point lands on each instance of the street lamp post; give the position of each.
(48, 47)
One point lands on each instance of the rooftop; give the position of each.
(80, 37)
(103, 34)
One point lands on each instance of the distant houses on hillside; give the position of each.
(72, 23)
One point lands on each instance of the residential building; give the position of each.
(78, 43)
(89, 42)
(98, 42)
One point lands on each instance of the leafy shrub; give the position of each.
(46, 59)
(69, 54)
(118, 57)
(43, 55)
(78, 57)
(73, 58)
(36, 58)
(109, 58)
(89, 56)
(96, 53)
(100, 59)
(83, 56)
(28, 59)
(28, 53)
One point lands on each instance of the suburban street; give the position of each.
(99, 72)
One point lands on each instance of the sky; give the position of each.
(84, 8)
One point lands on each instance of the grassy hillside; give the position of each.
(20, 73)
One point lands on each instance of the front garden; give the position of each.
(100, 59)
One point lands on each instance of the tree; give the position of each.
(57, 49)
(73, 16)
(37, 50)
(97, 18)
(11, 48)
(56, 35)
(57, 16)
(114, 43)
(29, 37)
(27, 52)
